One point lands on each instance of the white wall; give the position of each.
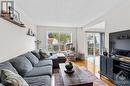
(13, 39)
(80, 40)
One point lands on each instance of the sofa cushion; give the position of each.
(43, 63)
(10, 78)
(36, 53)
(39, 80)
(32, 58)
(22, 64)
(38, 71)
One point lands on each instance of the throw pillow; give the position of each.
(10, 78)
(43, 55)
(36, 53)
(22, 64)
(45, 51)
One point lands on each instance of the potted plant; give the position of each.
(69, 66)
(72, 49)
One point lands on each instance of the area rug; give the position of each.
(59, 82)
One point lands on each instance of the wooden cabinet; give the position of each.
(106, 66)
(115, 69)
(110, 68)
(103, 67)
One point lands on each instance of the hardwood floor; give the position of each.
(94, 69)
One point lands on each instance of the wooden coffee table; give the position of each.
(78, 78)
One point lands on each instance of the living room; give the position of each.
(77, 33)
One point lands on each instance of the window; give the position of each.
(57, 41)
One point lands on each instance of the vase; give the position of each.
(69, 66)
(105, 53)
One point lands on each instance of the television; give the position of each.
(119, 43)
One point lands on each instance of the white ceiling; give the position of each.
(72, 13)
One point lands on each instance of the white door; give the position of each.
(93, 44)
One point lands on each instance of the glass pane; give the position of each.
(90, 44)
(97, 44)
(4, 7)
(53, 41)
(65, 38)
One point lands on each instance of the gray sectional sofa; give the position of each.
(36, 72)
